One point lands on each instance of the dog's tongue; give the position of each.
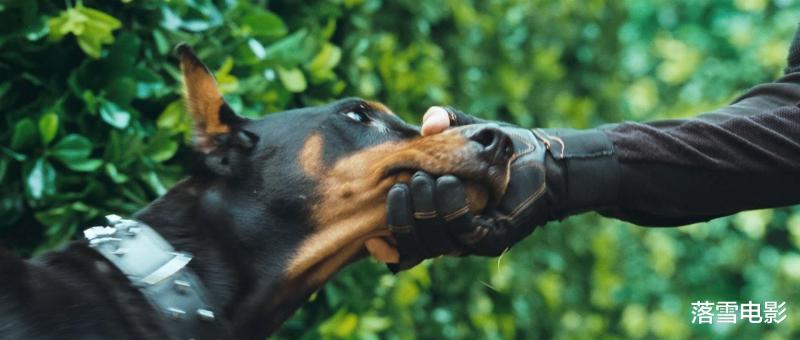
(381, 250)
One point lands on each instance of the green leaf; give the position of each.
(90, 100)
(226, 82)
(122, 91)
(91, 27)
(262, 23)
(290, 50)
(292, 79)
(69, 21)
(40, 179)
(321, 67)
(373, 323)
(84, 165)
(149, 84)
(24, 135)
(115, 175)
(161, 147)
(54, 216)
(172, 116)
(257, 48)
(4, 87)
(48, 126)
(3, 168)
(340, 325)
(72, 149)
(11, 209)
(162, 45)
(155, 183)
(114, 115)
(175, 119)
(161, 150)
(14, 155)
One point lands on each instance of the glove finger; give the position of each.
(488, 238)
(451, 200)
(498, 235)
(458, 118)
(432, 234)
(399, 217)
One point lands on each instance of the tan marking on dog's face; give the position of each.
(348, 203)
(380, 107)
(311, 156)
(352, 193)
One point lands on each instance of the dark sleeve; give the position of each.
(673, 172)
(743, 156)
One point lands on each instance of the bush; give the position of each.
(92, 124)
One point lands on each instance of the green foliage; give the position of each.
(91, 28)
(92, 123)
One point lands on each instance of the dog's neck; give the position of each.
(178, 217)
(181, 218)
(244, 279)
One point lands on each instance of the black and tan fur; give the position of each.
(272, 210)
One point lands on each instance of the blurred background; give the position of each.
(92, 124)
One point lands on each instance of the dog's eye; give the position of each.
(357, 116)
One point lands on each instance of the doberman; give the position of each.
(271, 210)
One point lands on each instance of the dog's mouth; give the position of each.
(351, 212)
(477, 154)
(482, 161)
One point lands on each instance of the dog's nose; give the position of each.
(497, 146)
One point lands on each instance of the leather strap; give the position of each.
(161, 274)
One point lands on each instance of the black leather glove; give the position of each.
(428, 217)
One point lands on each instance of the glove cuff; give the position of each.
(582, 170)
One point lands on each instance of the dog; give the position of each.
(272, 208)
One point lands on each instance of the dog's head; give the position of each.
(303, 191)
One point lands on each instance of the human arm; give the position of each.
(665, 173)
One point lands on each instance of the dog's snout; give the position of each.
(496, 145)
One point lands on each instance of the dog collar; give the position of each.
(160, 273)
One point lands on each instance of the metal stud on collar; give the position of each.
(175, 313)
(160, 272)
(205, 314)
(113, 219)
(119, 251)
(182, 286)
(99, 231)
(118, 226)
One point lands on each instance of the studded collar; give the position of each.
(161, 274)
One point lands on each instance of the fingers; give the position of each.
(429, 227)
(399, 217)
(435, 120)
(422, 186)
(458, 118)
(451, 199)
(438, 119)
(430, 217)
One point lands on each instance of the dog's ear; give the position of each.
(214, 120)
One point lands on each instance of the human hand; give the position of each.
(427, 216)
